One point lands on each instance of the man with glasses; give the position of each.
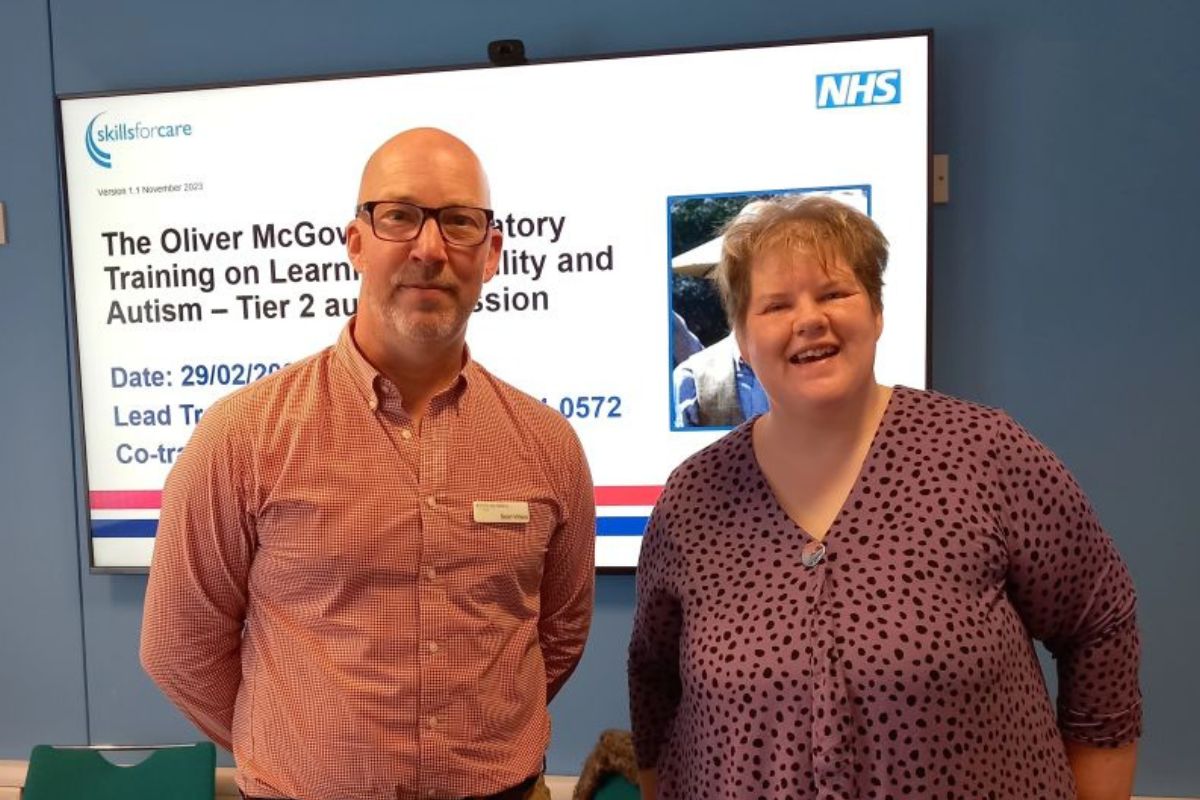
(375, 568)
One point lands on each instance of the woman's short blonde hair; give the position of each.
(812, 224)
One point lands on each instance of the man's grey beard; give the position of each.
(425, 328)
(444, 327)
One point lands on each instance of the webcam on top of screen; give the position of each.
(506, 52)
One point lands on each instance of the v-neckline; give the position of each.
(851, 495)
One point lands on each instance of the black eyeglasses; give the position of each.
(394, 221)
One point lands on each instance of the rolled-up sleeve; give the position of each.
(1072, 590)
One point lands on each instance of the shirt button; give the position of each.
(431, 501)
(373, 403)
(432, 722)
(406, 434)
(433, 648)
(430, 574)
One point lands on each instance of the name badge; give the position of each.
(513, 511)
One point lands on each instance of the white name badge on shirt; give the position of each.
(514, 511)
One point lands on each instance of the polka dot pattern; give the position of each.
(900, 666)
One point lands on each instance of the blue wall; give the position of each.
(1064, 288)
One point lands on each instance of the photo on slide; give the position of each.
(711, 386)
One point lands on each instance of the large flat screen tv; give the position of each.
(207, 239)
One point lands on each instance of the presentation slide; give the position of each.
(207, 232)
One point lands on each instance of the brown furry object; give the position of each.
(612, 753)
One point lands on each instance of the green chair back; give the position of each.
(617, 787)
(185, 772)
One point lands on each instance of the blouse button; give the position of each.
(812, 554)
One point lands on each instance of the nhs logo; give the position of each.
(841, 89)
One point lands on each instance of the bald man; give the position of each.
(374, 568)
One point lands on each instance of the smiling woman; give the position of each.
(837, 598)
(809, 329)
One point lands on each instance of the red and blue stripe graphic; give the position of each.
(620, 511)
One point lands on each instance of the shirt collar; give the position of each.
(369, 381)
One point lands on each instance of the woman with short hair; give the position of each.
(837, 599)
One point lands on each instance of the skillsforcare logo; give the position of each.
(98, 138)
